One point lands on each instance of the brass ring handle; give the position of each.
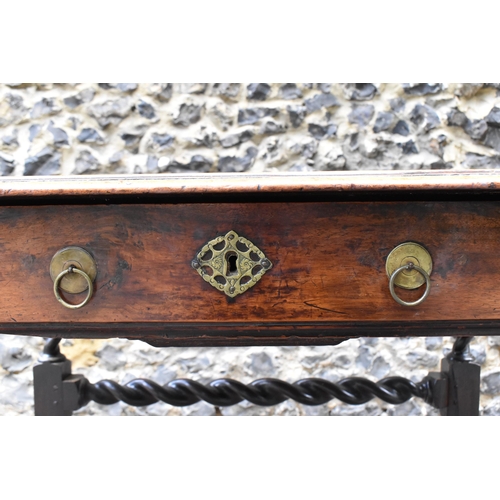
(408, 267)
(73, 269)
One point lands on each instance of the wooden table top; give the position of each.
(479, 181)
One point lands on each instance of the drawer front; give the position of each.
(328, 262)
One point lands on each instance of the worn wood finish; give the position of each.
(328, 236)
(84, 189)
(328, 281)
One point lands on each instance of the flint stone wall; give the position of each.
(130, 128)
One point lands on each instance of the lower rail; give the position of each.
(454, 390)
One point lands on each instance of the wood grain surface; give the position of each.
(327, 235)
(291, 183)
(329, 262)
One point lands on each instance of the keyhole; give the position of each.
(231, 268)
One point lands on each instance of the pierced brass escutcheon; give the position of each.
(403, 255)
(76, 257)
(231, 263)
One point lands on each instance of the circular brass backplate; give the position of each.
(73, 256)
(402, 255)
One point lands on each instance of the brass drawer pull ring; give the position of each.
(409, 267)
(73, 269)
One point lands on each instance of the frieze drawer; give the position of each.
(181, 262)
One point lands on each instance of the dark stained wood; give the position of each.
(328, 282)
(329, 261)
(245, 334)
